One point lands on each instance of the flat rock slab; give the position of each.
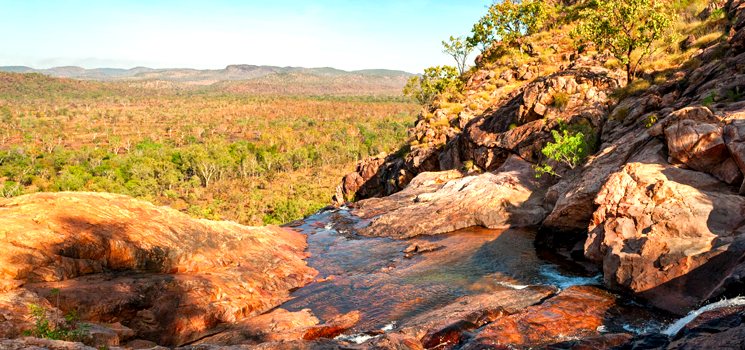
(170, 278)
(512, 196)
(576, 312)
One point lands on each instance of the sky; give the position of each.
(349, 35)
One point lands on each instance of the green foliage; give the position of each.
(459, 48)
(709, 100)
(650, 121)
(434, 82)
(509, 21)
(625, 28)
(571, 147)
(48, 329)
(734, 96)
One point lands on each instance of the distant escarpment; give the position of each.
(154, 273)
(659, 204)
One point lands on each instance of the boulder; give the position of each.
(698, 145)
(170, 278)
(669, 235)
(576, 312)
(510, 197)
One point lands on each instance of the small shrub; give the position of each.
(622, 113)
(501, 83)
(512, 126)
(45, 328)
(473, 106)
(709, 100)
(455, 109)
(570, 148)
(692, 64)
(561, 100)
(733, 96)
(612, 64)
(650, 121)
(490, 87)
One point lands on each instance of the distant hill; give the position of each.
(299, 83)
(195, 76)
(18, 86)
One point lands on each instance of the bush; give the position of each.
(571, 148)
(636, 87)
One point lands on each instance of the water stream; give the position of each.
(375, 276)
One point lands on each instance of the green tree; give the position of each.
(625, 27)
(459, 48)
(509, 21)
(434, 81)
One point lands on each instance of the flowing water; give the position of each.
(374, 275)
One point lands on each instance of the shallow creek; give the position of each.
(374, 275)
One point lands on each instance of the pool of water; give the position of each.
(375, 276)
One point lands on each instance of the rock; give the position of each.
(141, 344)
(42, 344)
(602, 342)
(364, 182)
(282, 325)
(669, 235)
(476, 310)
(688, 42)
(102, 336)
(706, 13)
(700, 146)
(734, 138)
(575, 312)
(394, 342)
(170, 278)
(263, 328)
(510, 197)
(574, 194)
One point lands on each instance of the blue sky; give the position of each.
(348, 35)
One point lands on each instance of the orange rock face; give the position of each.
(169, 277)
(576, 312)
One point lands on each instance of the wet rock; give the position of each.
(283, 325)
(575, 312)
(170, 278)
(602, 342)
(510, 197)
(671, 236)
(476, 310)
(264, 328)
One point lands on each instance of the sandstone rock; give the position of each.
(734, 138)
(571, 214)
(575, 312)
(364, 182)
(140, 344)
(602, 342)
(170, 278)
(476, 310)
(43, 344)
(282, 325)
(661, 235)
(699, 146)
(511, 197)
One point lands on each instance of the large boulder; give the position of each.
(669, 235)
(512, 196)
(170, 278)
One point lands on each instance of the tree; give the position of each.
(509, 21)
(459, 48)
(434, 81)
(625, 27)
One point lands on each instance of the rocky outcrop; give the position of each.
(510, 197)
(669, 235)
(170, 278)
(575, 312)
(519, 123)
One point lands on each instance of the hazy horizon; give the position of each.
(198, 34)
